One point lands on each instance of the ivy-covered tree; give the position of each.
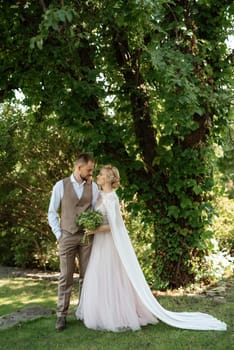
(148, 86)
(225, 162)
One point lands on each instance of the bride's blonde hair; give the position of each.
(113, 173)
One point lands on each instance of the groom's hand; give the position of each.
(89, 180)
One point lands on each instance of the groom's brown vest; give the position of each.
(71, 205)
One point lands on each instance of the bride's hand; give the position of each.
(89, 233)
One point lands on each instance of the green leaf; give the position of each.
(173, 211)
(62, 15)
(69, 15)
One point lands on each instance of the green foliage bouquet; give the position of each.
(89, 220)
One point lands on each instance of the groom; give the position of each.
(72, 195)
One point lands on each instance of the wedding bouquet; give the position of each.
(89, 220)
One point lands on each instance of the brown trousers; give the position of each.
(70, 246)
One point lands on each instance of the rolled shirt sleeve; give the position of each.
(55, 201)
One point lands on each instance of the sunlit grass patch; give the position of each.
(17, 293)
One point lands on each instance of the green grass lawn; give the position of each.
(40, 334)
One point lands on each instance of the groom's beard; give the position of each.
(83, 178)
(88, 178)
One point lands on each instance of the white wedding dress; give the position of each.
(115, 295)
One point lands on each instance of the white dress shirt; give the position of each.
(55, 201)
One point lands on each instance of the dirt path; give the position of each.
(6, 271)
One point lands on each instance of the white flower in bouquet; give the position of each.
(89, 220)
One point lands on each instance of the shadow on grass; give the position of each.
(16, 293)
(41, 334)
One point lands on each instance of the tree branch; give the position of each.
(43, 5)
(129, 65)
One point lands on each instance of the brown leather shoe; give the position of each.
(61, 323)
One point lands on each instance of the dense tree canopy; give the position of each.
(145, 85)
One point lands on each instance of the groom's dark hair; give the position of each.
(84, 158)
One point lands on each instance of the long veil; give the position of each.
(184, 320)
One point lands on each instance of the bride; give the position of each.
(115, 295)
